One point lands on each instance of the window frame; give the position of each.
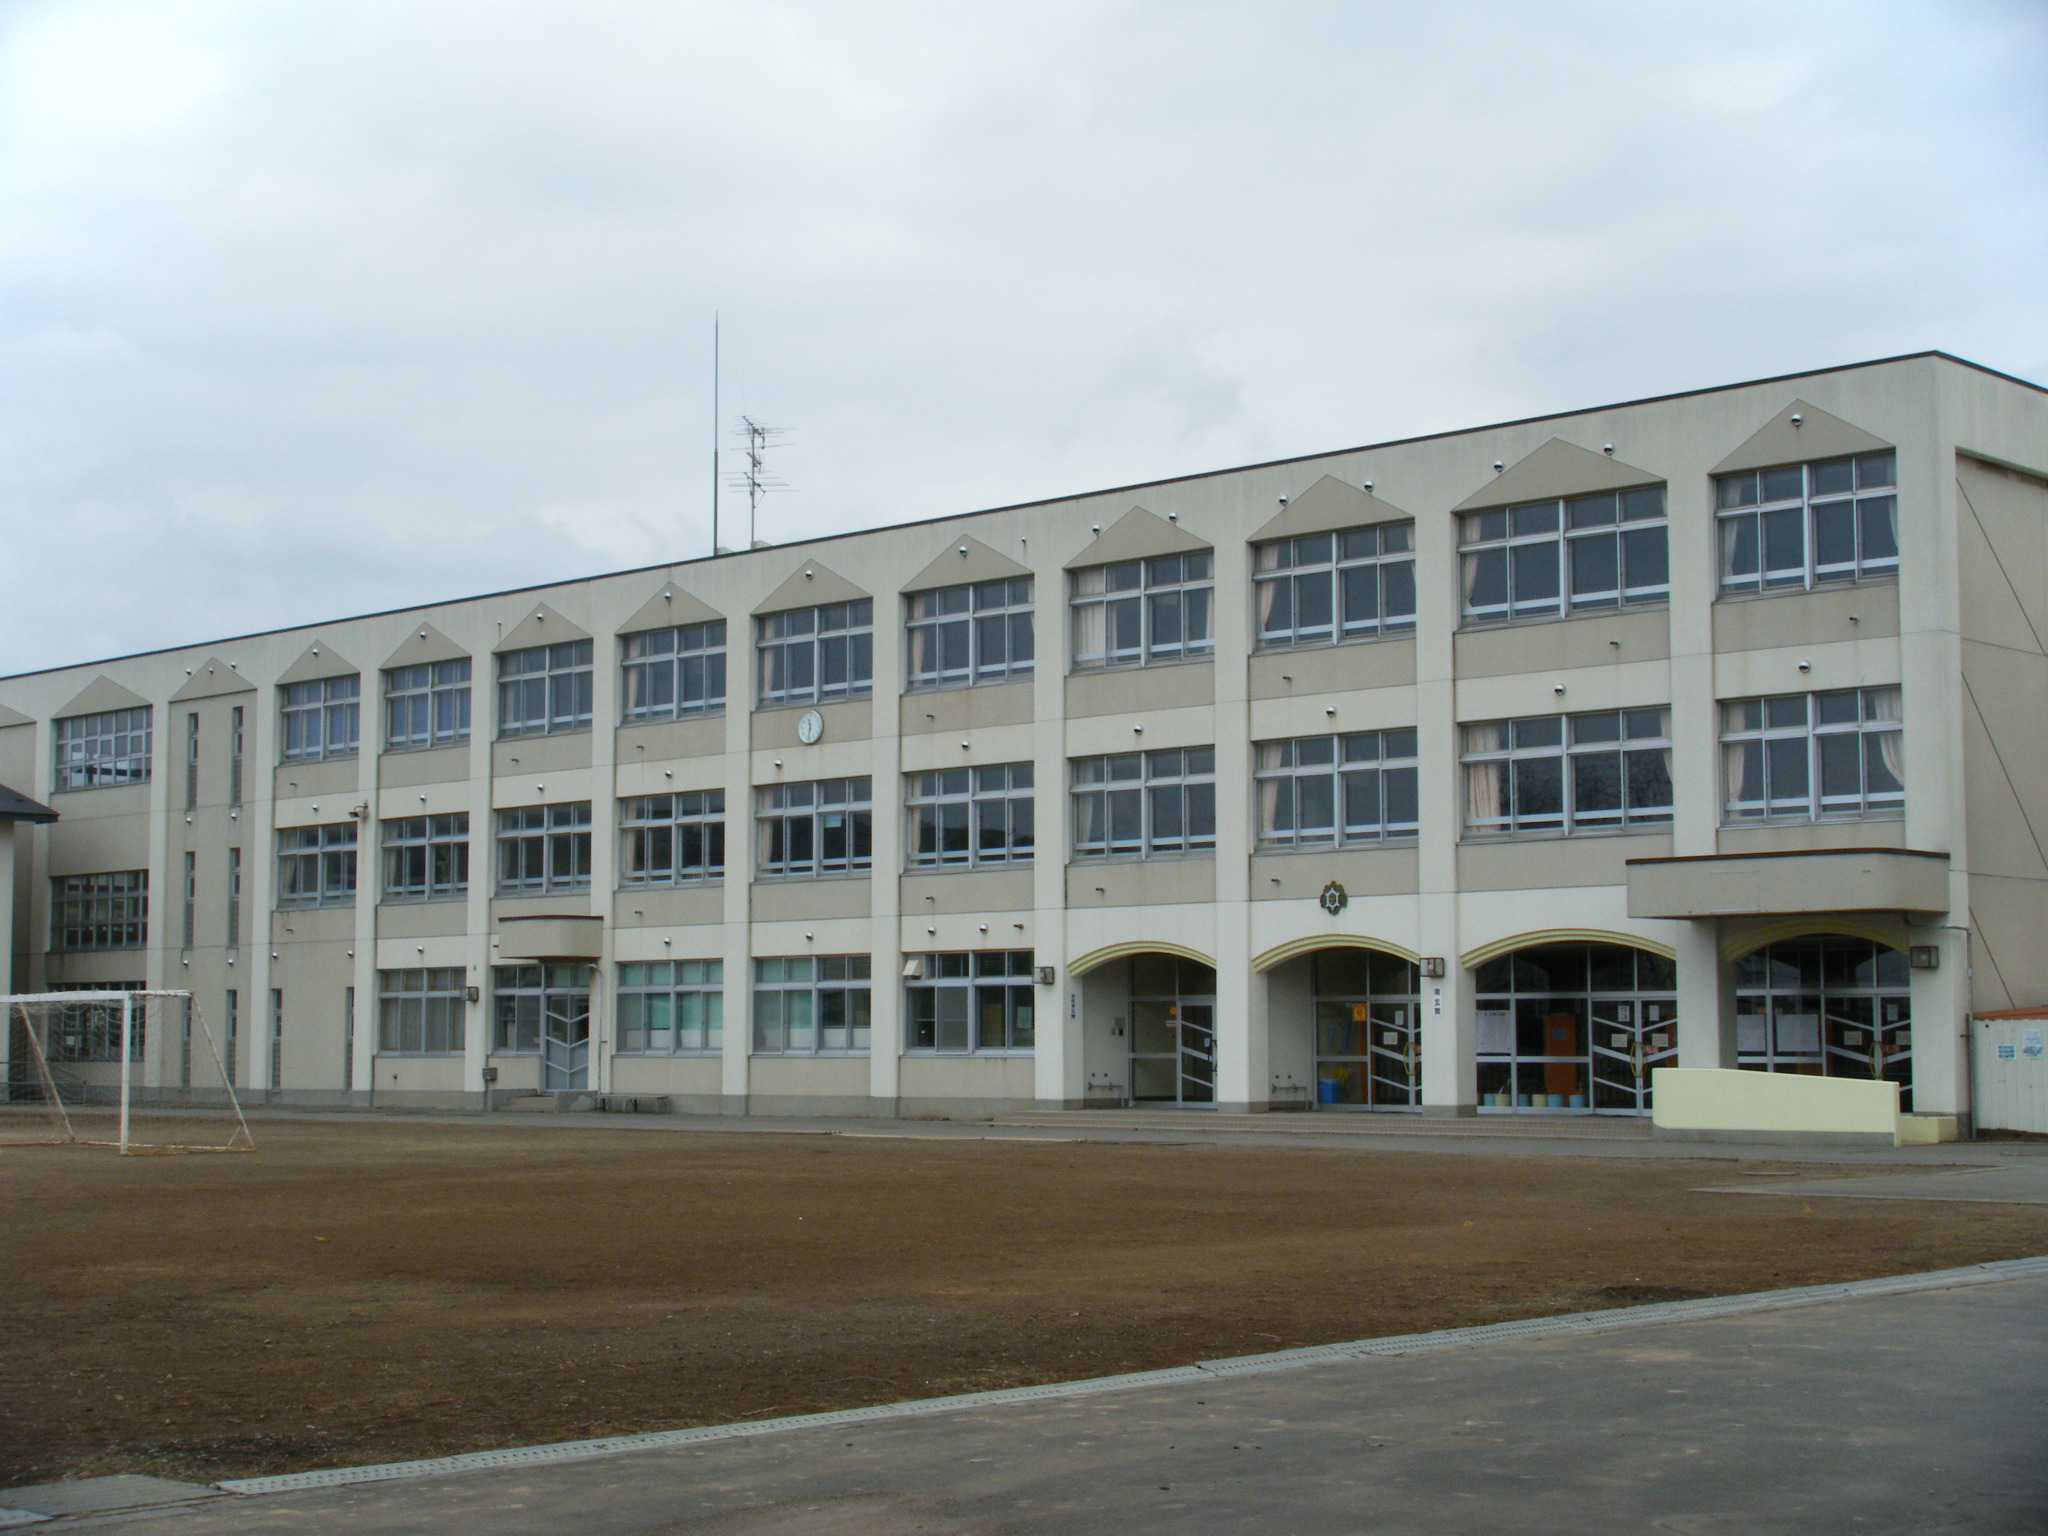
(442, 705)
(1291, 564)
(1575, 755)
(330, 856)
(429, 1003)
(439, 848)
(1157, 585)
(977, 617)
(556, 697)
(850, 978)
(1155, 775)
(1870, 730)
(562, 830)
(642, 667)
(641, 827)
(936, 811)
(1571, 526)
(1287, 764)
(815, 634)
(552, 979)
(639, 982)
(973, 974)
(320, 720)
(103, 750)
(813, 801)
(118, 909)
(1769, 519)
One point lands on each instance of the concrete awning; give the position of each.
(1808, 880)
(550, 938)
(18, 807)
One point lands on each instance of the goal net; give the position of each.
(134, 1071)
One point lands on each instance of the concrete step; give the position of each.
(1295, 1123)
(549, 1103)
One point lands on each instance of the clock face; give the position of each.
(810, 725)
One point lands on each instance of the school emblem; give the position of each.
(1334, 898)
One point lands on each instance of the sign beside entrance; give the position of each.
(1334, 898)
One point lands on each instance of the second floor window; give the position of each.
(427, 705)
(824, 827)
(316, 866)
(1813, 756)
(1547, 558)
(545, 689)
(426, 858)
(1568, 774)
(813, 655)
(672, 839)
(1337, 586)
(1802, 525)
(674, 673)
(1138, 804)
(962, 817)
(963, 1003)
(94, 751)
(108, 911)
(1143, 611)
(1324, 791)
(322, 719)
(970, 634)
(543, 848)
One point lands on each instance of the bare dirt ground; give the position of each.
(360, 1293)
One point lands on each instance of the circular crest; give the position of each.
(1334, 898)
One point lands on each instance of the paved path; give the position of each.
(2015, 1181)
(1925, 1411)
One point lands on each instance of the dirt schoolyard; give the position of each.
(379, 1291)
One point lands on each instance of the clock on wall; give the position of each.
(810, 725)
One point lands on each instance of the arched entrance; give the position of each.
(1574, 1027)
(1172, 1029)
(1828, 1005)
(1368, 1030)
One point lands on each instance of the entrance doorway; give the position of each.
(1368, 1031)
(565, 1042)
(1827, 1006)
(1172, 1030)
(1575, 1027)
(544, 1011)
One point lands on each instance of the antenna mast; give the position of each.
(714, 432)
(755, 478)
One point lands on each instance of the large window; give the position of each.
(1569, 774)
(970, 634)
(1139, 804)
(426, 705)
(1805, 524)
(1813, 756)
(1143, 611)
(545, 690)
(980, 1001)
(109, 911)
(94, 751)
(1574, 1026)
(543, 848)
(1323, 790)
(822, 827)
(1337, 586)
(810, 1005)
(92, 1031)
(673, 673)
(1368, 1029)
(420, 1012)
(1826, 1005)
(812, 655)
(316, 866)
(971, 816)
(322, 719)
(671, 1007)
(672, 839)
(426, 858)
(532, 1001)
(1546, 558)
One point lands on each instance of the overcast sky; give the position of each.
(310, 309)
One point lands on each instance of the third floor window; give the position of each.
(1544, 559)
(1802, 525)
(813, 655)
(104, 749)
(674, 673)
(970, 634)
(545, 689)
(427, 705)
(322, 719)
(1337, 586)
(1143, 611)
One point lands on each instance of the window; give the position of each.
(1337, 586)
(1826, 1005)
(235, 755)
(1813, 756)
(672, 839)
(1368, 1029)
(191, 897)
(234, 898)
(1547, 558)
(92, 1031)
(1568, 774)
(109, 911)
(971, 634)
(420, 1012)
(231, 1036)
(672, 1007)
(322, 719)
(94, 751)
(316, 866)
(971, 816)
(673, 673)
(192, 760)
(965, 1003)
(1320, 791)
(811, 655)
(1143, 611)
(426, 858)
(532, 1000)
(545, 690)
(426, 705)
(1145, 803)
(544, 848)
(824, 827)
(1805, 524)
(809, 1005)
(1574, 1026)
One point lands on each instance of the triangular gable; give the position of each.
(1557, 469)
(321, 660)
(18, 807)
(965, 559)
(101, 695)
(808, 585)
(13, 717)
(424, 645)
(1817, 436)
(1325, 507)
(1137, 535)
(667, 608)
(543, 626)
(212, 680)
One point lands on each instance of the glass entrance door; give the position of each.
(1172, 1031)
(1368, 1042)
(1630, 1040)
(565, 1042)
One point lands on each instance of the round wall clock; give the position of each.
(810, 725)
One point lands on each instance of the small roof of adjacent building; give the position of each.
(15, 807)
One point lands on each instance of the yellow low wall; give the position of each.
(1709, 1104)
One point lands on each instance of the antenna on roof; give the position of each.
(714, 432)
(756, 479)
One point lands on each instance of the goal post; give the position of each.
(135, 1071)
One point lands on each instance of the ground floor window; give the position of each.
(1368, 1043)
(1827, 1006)
(1172, 1030)
(1575, 1026)
(420, 1012)
(809, 1005)
(965, 1002)
(671, 1007)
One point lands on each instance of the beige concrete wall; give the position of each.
(1707, 1102)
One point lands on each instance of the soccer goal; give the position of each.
(135, 1071)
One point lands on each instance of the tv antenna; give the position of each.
(756, 479)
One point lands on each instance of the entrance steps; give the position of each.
(1296, 1123)
(549, 1103)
